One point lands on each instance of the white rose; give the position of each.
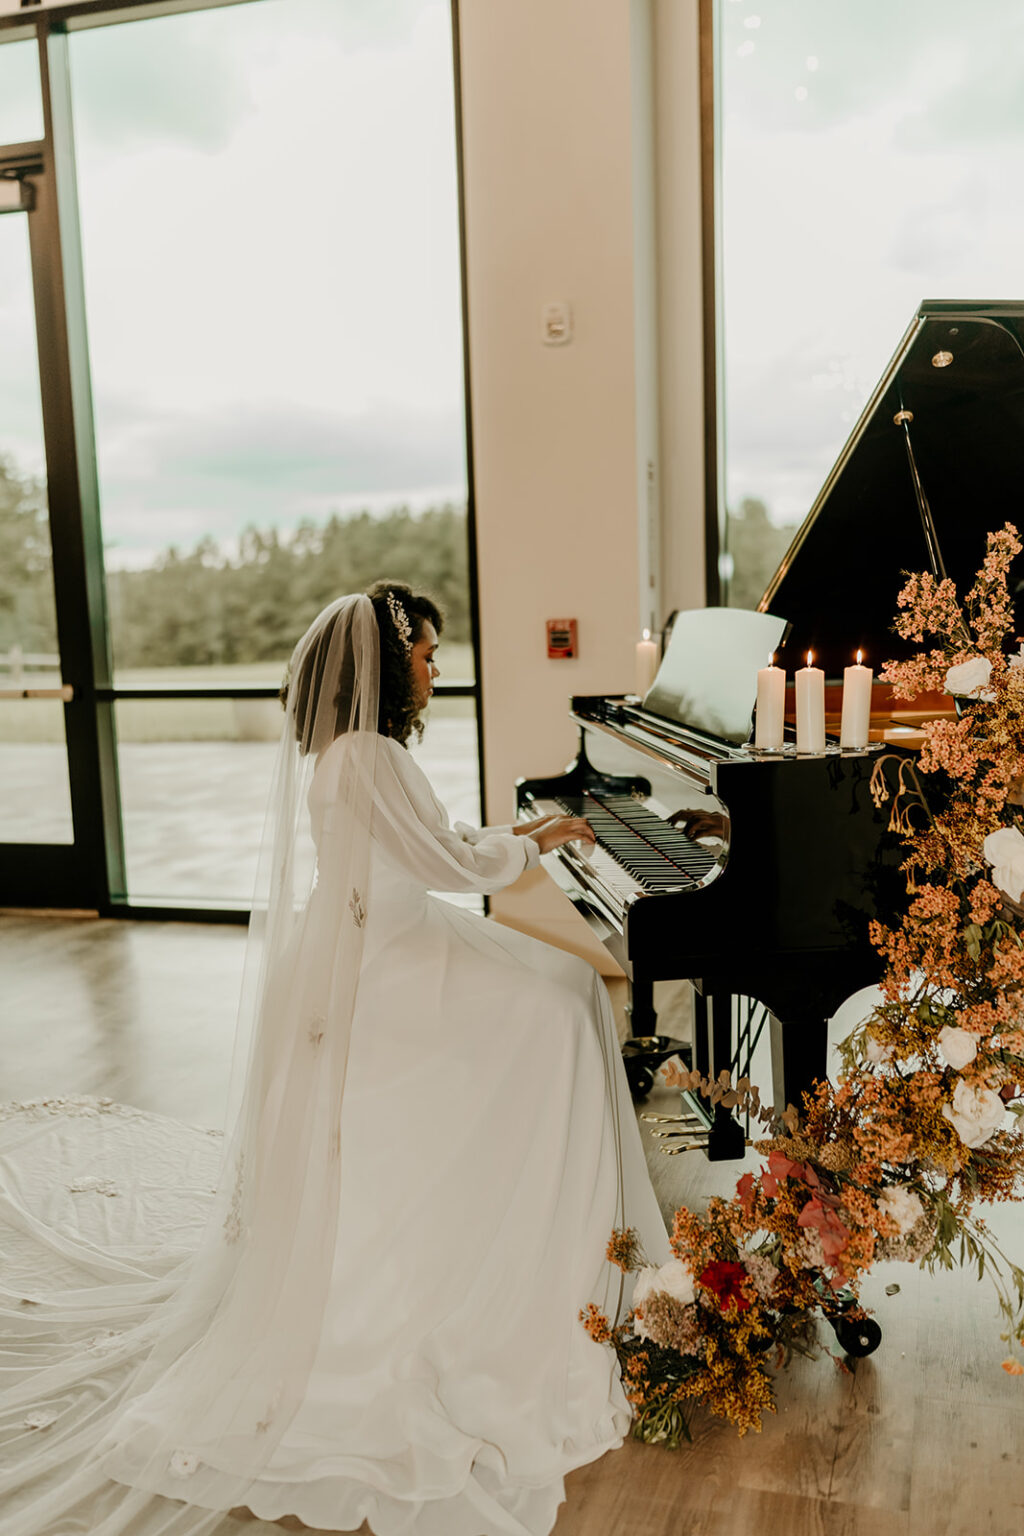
(902, 1205)
(1017, 659)
(975, 1114)
(644, 1285)
(676, 1279)
(876, 1052)
(969, 679)
(1004, 850)
(957, 1046)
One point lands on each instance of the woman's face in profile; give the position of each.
(423, 669)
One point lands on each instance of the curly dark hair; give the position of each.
(397, 713)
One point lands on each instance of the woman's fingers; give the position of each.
(563, 829)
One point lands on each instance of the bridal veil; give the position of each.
(144, 1389)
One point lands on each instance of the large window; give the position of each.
(869, 159)
(267, 207)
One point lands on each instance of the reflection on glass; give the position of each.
(856, 182)
(269, 217)
(21, 106)
(195, 777)
(36, 801)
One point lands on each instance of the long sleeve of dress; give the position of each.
(474, 834)
(412, 828)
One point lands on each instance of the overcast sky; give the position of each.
(270, 236)
(873, 156)
(271, 245)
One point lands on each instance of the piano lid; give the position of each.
(839, 580)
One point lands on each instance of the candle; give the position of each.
(771, 706)
(853, 731)
(646, 663)
(810, 708)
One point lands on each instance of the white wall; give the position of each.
(559, 129)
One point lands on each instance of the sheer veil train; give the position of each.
(171, 1363)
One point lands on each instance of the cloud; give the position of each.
(195, 78)
(177, 478)
(127, 83)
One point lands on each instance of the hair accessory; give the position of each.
(400, 619)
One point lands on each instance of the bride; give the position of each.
(363, 1305)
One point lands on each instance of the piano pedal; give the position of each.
(698, 1144)
(653, 1119)
(720, 1134)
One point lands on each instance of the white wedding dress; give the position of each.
(488, 1147)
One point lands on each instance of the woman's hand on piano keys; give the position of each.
(528, 828)
(553, 831)
(701, 823)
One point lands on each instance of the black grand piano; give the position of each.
(777, 911)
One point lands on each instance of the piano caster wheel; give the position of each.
(857, 1338)
(639, 1077)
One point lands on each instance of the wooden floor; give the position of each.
(925, 1439)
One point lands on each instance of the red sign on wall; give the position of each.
(562, 643)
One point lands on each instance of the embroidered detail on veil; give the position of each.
(233, 1220)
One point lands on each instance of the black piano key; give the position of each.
(657, 855)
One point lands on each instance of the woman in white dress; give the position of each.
(375, 1315)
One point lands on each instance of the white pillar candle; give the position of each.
(856, 721)
(810, 708)
(646, 663)
(770, 720)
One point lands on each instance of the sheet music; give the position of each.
(708, 675)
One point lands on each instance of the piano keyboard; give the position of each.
(637, 853)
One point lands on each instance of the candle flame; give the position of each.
(860, 657)
(810, 657)
(771, 658)
(647, 634)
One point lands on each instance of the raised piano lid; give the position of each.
(839, 581)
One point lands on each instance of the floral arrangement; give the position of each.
(925, 1120)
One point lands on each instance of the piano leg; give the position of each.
(640, 1008)
(713, 1050)
(799, 1056)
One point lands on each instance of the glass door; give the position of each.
(35, 803)
(59, 843)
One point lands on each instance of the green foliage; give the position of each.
(205, 607)
(757, 547)
(27, 614)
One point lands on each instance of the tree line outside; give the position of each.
(210, 607)
(206, 607)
